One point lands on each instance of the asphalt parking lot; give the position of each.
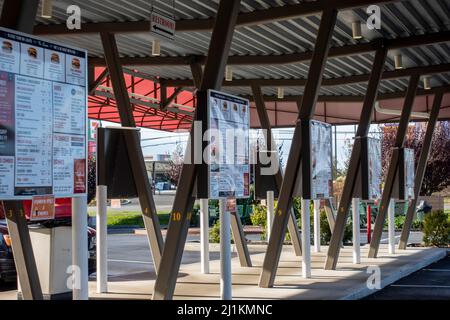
(430, 283)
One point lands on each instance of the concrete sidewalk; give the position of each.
(347, 282)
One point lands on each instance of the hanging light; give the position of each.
(356, 30)
(280, 93)
(156, 47)
(427, 83)
(46, 9)
(228, 73)
(398, 60)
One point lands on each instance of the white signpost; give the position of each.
(43, 131)
(228, 158)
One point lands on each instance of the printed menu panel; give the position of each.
(321, 166)
(229, 151)
(375, 169)
(42, 118)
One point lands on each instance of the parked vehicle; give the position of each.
(63, 217)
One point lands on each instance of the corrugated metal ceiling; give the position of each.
(399, 19)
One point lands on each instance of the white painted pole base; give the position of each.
(356, 231)
(225, 251)
(306, 241)
(316, 226)
(391, 226)
(102, 246)
(204, 236)
(270, 212)
(80, 278)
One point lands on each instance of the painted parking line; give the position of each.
(420, 286)
(437, 270)
(130, 261)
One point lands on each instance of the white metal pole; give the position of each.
(391, 226)
(80, 277)
(102, 246)
(356, 232)
(306, 241)
(204, 236)
(270, 212)
(316, 226)
(225, 251)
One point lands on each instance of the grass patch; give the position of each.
(131, 218)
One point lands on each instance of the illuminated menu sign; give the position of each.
(42, 118)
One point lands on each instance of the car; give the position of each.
(7, 266)
(63, 215)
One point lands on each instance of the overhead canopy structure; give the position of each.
(272, 47)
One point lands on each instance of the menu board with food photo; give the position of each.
(229, 156)
(375, 168)
(43, 116)
(321, 165)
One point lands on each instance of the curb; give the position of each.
(404, 271)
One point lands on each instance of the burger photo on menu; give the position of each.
(32, 52)
(54, 58)
(76, 63)
(7, 47)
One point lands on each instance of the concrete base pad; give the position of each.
(349, 281)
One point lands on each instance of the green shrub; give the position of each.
(214, 233)
(436, 229)
(325, 232)
(259, 218)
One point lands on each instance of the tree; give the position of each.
(176, 164)
(437, 173)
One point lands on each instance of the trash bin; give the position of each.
(52, 249)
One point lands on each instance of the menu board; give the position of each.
(42, 118)
(409, 173)
(375, 168)
(321, 165)
(229, 150)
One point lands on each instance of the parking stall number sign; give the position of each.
(42, 118)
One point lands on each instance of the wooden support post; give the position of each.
(393, 166)
(354, 165)
(306, 112)
(133, 143)
(420, 171)
(179, 223)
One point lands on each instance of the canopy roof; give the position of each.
(272, 45)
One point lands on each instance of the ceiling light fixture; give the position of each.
(356, 30)
(280, 93)
(427, 83)
(156, 48)
(228, 73)
(398, 60)
(46, 9)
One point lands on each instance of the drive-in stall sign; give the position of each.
(43, 116)
(162, 26)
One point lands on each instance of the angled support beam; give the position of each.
(240, 241)
(167, 101)
(20, 15)
(306, 112)
(349, 186)
(393, 166)
(197, 74)
(265, 125)
(150, 215)
(420, 171)
(184, 199)
(93, 85)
